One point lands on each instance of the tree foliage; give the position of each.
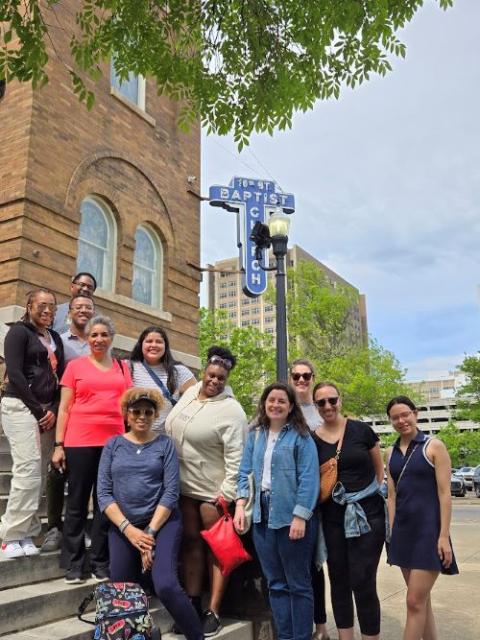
(463, 446)
(255, 355)
(468, 405)
(239, 65)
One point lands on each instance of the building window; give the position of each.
(222, 295)
(147, 268)
(268, 307)
(232, 283)
(233, 314)
(232, 294)
(245, 312)
(269, 330)
(255, 310)
(133, 88)
(96, 242)
(256, 321)
(223, 285)
(268, 319)
(245, 323)
(223, 305)
(232, 304)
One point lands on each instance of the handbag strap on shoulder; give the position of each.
(340, 442)
(166, 393)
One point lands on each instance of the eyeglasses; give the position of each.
(43, 306)
(401, 416)
(85, 285)
(306, 376)
(136, 413)
(323, 401)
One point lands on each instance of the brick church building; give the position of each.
(105, 191)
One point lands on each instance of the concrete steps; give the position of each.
(22, 571)
(5, 461)
(5, 480)
(74, 629)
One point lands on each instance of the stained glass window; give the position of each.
(147, 268)
(96, 242)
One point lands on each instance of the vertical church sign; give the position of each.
(253, 200)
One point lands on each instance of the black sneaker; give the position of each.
(211, 623)
(100, 574)
(73, 576)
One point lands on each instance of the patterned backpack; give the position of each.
(121, 612)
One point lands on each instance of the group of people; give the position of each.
(156, 450)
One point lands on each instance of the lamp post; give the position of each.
(275, 234)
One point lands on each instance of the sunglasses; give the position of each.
(136, 413)
(306, 376)
(323, 401)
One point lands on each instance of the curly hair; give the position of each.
(224, 354)
(131, 396)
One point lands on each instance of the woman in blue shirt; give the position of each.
(282, 456)
(138, 489)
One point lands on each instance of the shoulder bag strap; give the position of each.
(159, 384)
(340, 443)
(405, 465)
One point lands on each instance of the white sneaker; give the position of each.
(29, 548)
(12, 549)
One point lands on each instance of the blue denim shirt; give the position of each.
(295, 475)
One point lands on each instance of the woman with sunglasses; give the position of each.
(354, 517)
(419, 506)
(302, 377)
(141, 505)
(207, 426)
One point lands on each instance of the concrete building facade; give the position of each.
(225, 292)
(103, 191)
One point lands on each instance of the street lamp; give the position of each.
(275, 234)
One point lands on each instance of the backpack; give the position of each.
(121, 612)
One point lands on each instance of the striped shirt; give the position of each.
(141, 378)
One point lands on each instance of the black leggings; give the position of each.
(352, 568)
(318, 585)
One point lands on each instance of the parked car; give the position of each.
(476, 481)
(457, 486)
(467, 475)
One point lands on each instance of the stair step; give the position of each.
(4, 446)
(5, 479)
(38, 604)
(74, 629)
(22, 571)
(42, 511)
(5, 461)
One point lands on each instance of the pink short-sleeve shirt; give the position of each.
(95, 414)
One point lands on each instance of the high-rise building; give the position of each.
(104, 191)
(225, 292)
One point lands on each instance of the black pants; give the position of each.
(352, 568)
(82, 469)
(55, 489)
(318, 585)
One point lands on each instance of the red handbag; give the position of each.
(225, 543)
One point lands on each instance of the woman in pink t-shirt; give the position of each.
(88, 416)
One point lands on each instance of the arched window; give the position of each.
(96, 243)
(147, 283)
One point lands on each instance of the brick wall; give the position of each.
(55, 153)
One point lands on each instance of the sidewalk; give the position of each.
(455, 599)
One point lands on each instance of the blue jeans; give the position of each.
(286, 564)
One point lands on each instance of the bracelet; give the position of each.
(151, 531)
(58, 444)
(123, 525)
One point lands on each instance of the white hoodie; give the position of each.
(208, 436)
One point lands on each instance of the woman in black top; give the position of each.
(34, 362)
(353, 548)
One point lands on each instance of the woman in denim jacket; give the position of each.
(282, 456)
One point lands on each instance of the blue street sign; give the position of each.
(253, 200)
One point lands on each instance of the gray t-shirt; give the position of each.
(311, 415)
(141, 378)
(74, 347)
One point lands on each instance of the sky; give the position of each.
(387, 190)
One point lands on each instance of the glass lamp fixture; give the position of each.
(278, 223)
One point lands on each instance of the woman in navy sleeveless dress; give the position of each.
(419, 505)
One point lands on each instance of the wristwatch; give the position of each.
(58, 444)
(150, 531)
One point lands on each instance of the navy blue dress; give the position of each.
(416, 526)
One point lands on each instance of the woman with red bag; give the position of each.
(207, 426)
(282, 456)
